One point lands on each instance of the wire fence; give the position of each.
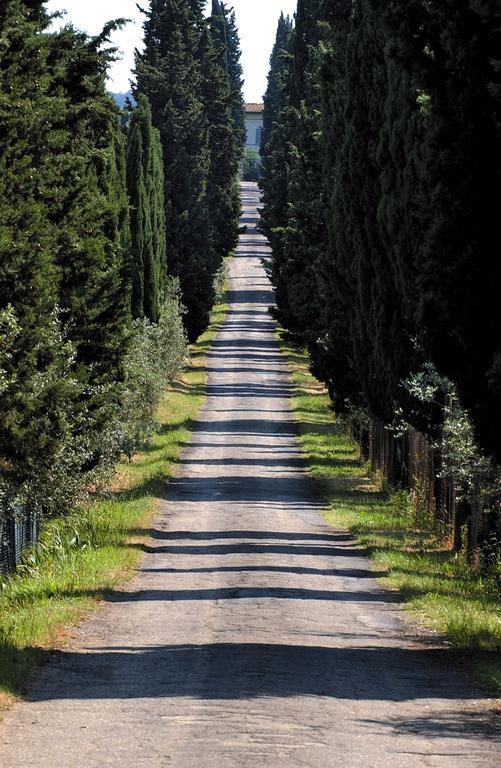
(17, 532)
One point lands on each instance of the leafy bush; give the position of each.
(42, 472)
(220, 281)
(9, 330)
(156, 354)
(460, 455)
(63, 474)
(251, 166)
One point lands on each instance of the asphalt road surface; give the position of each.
(253, 634)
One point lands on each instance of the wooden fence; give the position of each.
(411, 462)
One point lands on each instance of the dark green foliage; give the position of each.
(227, 41)
(69, 357)
(399, 165)
(274, 151)
(90, 215)
(251, 165)
(63, 240)
(404, 176)
(407, 191)
(440, 161)
(309, 282)
(450, 57)
(147, 216)
(304, 235)
(31, 394)
(169, 74)
(223, 197)
(226, 44)
(190, 71)
(140, 220)
(366, 301)
(332, 356)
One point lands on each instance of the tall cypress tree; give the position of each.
(379, 351)
(90, 214)
(274, 152)
(222, 192)
(33, 362)
(333, 355)
(225, 111)
(304, 236)
(145, 188)
(63, 239)
(371, 336)
(168, 72)
(449, 57)
(460, 273)
(227, 42)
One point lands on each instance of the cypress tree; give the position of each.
(379, 350)
(224, 108)
(371, 336)
(304, 235)
(63, 238)
(223, 205)
(90, 214)
(157, 209)
(460, 273)
(34, 388)
(145, 188)
(140, 219)
(168, 73)
(448, 58)
(274, 152)
(333, 355)
(227, 42)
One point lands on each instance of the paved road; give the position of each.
(253, 635)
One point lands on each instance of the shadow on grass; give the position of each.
(195, 390)
(18, 667)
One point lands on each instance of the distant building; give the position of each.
(253, 125)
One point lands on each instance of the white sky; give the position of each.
(256, 20)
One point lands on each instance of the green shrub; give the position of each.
(251, 166)
(156, 355)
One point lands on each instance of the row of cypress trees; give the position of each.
(381, 176)
(99, 215)
(190, 71)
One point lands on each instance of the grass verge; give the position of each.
(439, 589)
(80, 557)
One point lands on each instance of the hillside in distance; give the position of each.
(121, 98)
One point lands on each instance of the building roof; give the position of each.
(254, 107)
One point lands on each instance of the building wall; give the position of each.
(253, 125)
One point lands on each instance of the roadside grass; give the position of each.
(440, 590)
(79, 558)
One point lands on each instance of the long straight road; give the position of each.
(254, 634)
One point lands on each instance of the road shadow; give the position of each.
(247, 593)
(244, 534)
(451, 724)
(226, 671)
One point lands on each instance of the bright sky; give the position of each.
(256, 19)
